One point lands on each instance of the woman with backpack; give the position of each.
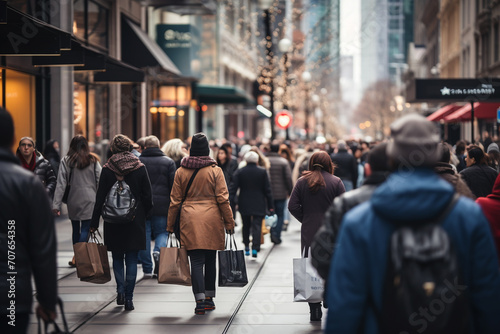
(80, 170)
(204, 215)
(312, 195)
(124, 239)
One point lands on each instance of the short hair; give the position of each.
(377, 158)
(141, 142)
(151, 141)
(445, 153)
(275, 148)
(6, 129)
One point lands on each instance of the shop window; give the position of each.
(91, 23)
(79, 19)
(169, 112)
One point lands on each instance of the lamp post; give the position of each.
(265, 5)
(306, 77)
(285, 46)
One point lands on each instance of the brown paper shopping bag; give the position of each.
(91, 260)
(174, 264)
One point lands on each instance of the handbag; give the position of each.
(68, 187)
(232, 267)
(57, 329)
(308, 286)
(91, 258)
(174, 264)
(177, 225)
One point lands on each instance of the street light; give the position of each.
(265, 5)
(285, 46)
(306, 77)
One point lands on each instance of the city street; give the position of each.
(265, 305)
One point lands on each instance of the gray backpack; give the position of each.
(120, 205)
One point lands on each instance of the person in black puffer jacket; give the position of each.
(27, 231)
(478, 175)
(34, 161)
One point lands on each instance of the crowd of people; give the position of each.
(349, 197)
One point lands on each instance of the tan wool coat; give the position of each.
(206, 212)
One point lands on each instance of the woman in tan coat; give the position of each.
(204, 215)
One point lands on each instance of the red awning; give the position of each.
(442, 112)
(486, 110)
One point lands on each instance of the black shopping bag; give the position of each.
(232, 268)
(55, 327)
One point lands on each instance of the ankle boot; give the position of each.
(129, 305)
(315, 310)
(209, 304)
(120, 299)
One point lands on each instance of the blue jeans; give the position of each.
(347, 185)
(80, 232)
(156, 227)
(125, 283)
(279, 208)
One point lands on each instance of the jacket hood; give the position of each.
(412, 196)
(496, 189)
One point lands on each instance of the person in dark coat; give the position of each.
(255, 196)
(34, 161)
(478, 175)
(124, 240)
(227, 163)
(447, 172)
(491, 209)
(323, 245)
(346, 167)
(27, 231)
(51, 153)
(311, 197)
(161, 170)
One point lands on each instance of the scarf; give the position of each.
(29, 166)
(123, 163)
(194, 162)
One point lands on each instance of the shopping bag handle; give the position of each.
(92, 237)
(232, 242)
(173, 241)
(56, 327)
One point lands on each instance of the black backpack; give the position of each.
(120, 205)
(423, 291)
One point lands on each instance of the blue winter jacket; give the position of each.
(359, 264)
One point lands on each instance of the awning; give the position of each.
(94, 60)
(140, 50)
(485, 110)
(119, 72)
(24, 35)
(186, 7)
(442, 112)
(73, 57)
(209, 94)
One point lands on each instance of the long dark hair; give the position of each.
(319, 161)
(79, 153)
(228, 156)
(478, 154)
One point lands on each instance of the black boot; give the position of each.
(129, 305)
(120, 299)
(315, 310)
(200, 307)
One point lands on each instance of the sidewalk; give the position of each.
(267, 308)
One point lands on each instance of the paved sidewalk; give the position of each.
(267, 308)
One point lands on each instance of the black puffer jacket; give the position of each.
(161, 170)
(45, 172)
(346, 166)
(480, 179)
(27, 227)
(323, 244)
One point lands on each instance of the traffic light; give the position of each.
(283, 119)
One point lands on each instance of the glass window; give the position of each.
(394, 9)
(394, 24)
(97, 30)
(79, 19)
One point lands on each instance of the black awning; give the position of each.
(94, 60)
(186, 7)
(209, 94)
(24, 35)
(73, 57)
(3, 12)
(140, 50)
(119, 72)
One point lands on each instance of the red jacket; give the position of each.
(491, 209)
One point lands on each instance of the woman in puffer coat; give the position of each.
(204, 216)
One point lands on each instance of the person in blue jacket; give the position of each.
(412, 192)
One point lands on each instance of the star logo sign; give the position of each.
(445, 91)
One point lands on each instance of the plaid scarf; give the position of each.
(194, 162)
(123, 163)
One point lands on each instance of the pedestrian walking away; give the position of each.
(204, 215)
(478, 175)
(124, 240)
(79, 170)
(27, 240)
(311, 197)
(161, 170)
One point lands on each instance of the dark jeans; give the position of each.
(279, 208)
(80, 232)
(125, 275)
(253, 223)
(203, 284)
(21, 324)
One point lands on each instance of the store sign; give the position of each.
(181, 42)
(453, 90)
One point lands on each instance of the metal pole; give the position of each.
(269, 52)
(472, 121)
(285, 106)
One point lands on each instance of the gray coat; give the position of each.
(81, 198)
